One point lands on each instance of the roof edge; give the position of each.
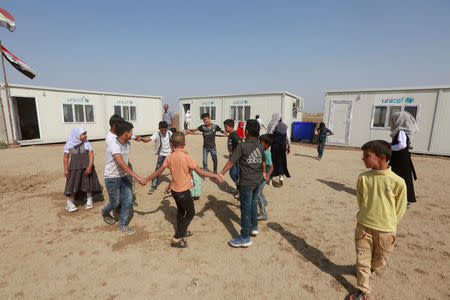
(33, 87)
(419, 88)
(238, 95)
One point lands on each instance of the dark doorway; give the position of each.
(27, 118)
(186, 107)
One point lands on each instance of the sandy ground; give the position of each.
(304, 251)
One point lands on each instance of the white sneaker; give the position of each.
(71, 207)
(269, 183)
(89, 204)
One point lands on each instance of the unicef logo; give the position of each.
(409, 100)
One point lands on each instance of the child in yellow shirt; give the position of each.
(381, 196)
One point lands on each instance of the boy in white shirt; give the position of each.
(162, 147)
(118, 176)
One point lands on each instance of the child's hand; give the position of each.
(66, 173)
(220, 178)
(288, 150)
(265, 177)
(167, 190)
(186, 132)
(138, 138)
(88, 171)
(141, 181)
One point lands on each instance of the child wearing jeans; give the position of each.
(162, 147)
(209, 139)
(253, 169)
(323, 132)
(266, 141)
(232, 142)
(381, 196)
(180, 165)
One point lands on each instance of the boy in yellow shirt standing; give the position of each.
(381, 196)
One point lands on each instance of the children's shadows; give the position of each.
(223, 212)
(338, 186)
(170, 212)
(304, 155)
(316, 257)
(224, 186)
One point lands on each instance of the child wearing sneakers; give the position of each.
(252, 161)
(162, 147)
(266, 141)
(80, 171)
(381, 196)
(180, 165)
(118, 177)
(232, 142)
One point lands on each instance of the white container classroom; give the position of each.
(357, 116)
(242, 107)
(43, 115)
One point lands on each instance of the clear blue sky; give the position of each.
(188, 48)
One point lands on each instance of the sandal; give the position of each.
(180, 244)
(188, 234)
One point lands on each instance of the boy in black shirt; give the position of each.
(252, 161)
(233, 141)
(209, 139)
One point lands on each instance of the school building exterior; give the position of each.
(41, 115)
(357, 116)
(242, 107)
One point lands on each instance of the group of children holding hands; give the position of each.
(381, 194)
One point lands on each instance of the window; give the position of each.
(295, 109)
(78, 113)
(211, 110)
(126, 112)
(89, 113)
(240, 113)
(382, 114)
(68, 112)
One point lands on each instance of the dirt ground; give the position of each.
(304, 251)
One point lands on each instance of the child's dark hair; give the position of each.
(253, 128)
(205, 115)
(178, 139)
(173, 129)
(115, 118)
(266, 138)
(378, 147)
(229, 123)
(322, 125)
(163, 124)
(257, 117)
(123, 126)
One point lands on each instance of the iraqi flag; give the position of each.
(7, 20)
(18, 64)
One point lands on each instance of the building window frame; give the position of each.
(387, 115)
(74, 119)
(208, 109)
(123, 108)
(235, 112)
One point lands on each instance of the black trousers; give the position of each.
(185, 212)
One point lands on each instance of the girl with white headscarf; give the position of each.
(403, 129)
(80, 171)
(281, 146)
(187, 122)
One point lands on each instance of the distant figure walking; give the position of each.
(281, 146)
(168, 115)
(403, 128)
(240, 130)
(323, 132)
(260, 121)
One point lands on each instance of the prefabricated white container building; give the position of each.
(242, 107)
(46, 115)
(357, 116)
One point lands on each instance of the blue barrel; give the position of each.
(303, 130)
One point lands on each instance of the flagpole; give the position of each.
(3, 112)
(7, 99)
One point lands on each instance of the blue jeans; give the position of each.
(159, 163)
(262, 202)
(320, 147)
(249, 208)
(117, 188)
(213, 155)
(234, 174)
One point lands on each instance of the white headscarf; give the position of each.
(74, 139)
(188, 114)
(403, 120)
(276, 118)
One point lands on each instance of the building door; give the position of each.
(26, 118)
(340, 118)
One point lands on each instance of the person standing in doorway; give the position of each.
(168, 115)
(403, 128)
(187, 121)
(281, 146)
